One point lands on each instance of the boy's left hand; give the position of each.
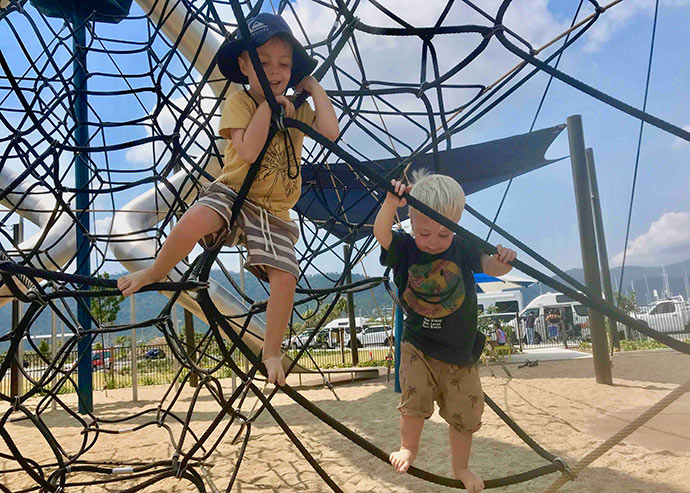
(504, 255)
(309, 84)
(274, 371)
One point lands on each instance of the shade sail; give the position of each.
(111, 11)
(339, 199)
(491, 284)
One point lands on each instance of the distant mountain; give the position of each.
(148, 305)
(643, 280)
(369, 303)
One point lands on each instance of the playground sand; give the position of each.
(557, 403)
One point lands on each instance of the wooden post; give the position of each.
(602, 365)
(601, 244)
(176, 328)
(189, 339)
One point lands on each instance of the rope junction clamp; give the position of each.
(565, 469)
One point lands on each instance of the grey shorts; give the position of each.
(269, 240)
(456, 389)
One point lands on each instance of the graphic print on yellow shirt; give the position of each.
(272, 189)
(435, 289)
(274, 171)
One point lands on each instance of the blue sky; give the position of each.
(540, 207)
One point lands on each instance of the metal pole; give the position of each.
(602, 365)
(397, 313)
(81, 139)
(15, 374)
(244, 358)
(601, 244)
(351, 310)
(133, 347)
(53, 347)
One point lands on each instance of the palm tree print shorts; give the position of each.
(456, 389)
(270, 241)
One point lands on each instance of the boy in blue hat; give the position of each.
(263, 225)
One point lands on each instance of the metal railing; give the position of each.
(112, 367)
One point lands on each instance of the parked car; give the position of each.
(101, 358)
(298, 341)
(154, 353)
(671, 315)
(373, 335)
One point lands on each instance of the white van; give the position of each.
(574, 315)
(504, 301)
(336, 325)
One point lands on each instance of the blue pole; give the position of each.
(398, 339)
(81, 138)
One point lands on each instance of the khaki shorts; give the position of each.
(456, 389)
(270, 241)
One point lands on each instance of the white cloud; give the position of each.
(666, 242)
(619, 15)
(102, 226)
(679, 143)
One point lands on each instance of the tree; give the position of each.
(313, 318)
(122, 340)
(44, 347)
(105, 308)
(627, 303)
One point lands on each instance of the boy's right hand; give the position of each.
(396, 199)
(287, 105)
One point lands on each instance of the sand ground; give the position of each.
(558, 403)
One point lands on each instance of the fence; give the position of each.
(569, 326)
(112, 367)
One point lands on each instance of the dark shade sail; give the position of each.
(344, 203)
(110, 11)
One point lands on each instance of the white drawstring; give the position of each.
(266, 233)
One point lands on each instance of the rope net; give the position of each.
(154, 100)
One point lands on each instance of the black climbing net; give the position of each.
(154, 99)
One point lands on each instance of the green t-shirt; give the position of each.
(439, 297)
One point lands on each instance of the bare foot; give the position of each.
(472, 482)
(402, 459)
(131, 283)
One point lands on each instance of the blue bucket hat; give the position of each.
(263, 27)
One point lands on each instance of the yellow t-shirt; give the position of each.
(272, 189)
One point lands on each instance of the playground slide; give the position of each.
(59, 244)
(197, 45)
(56, 245)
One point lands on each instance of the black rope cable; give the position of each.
(587, 89)
(37, 118)
(637, 153)
(534, 119)
(212, 313)
(591, 299)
